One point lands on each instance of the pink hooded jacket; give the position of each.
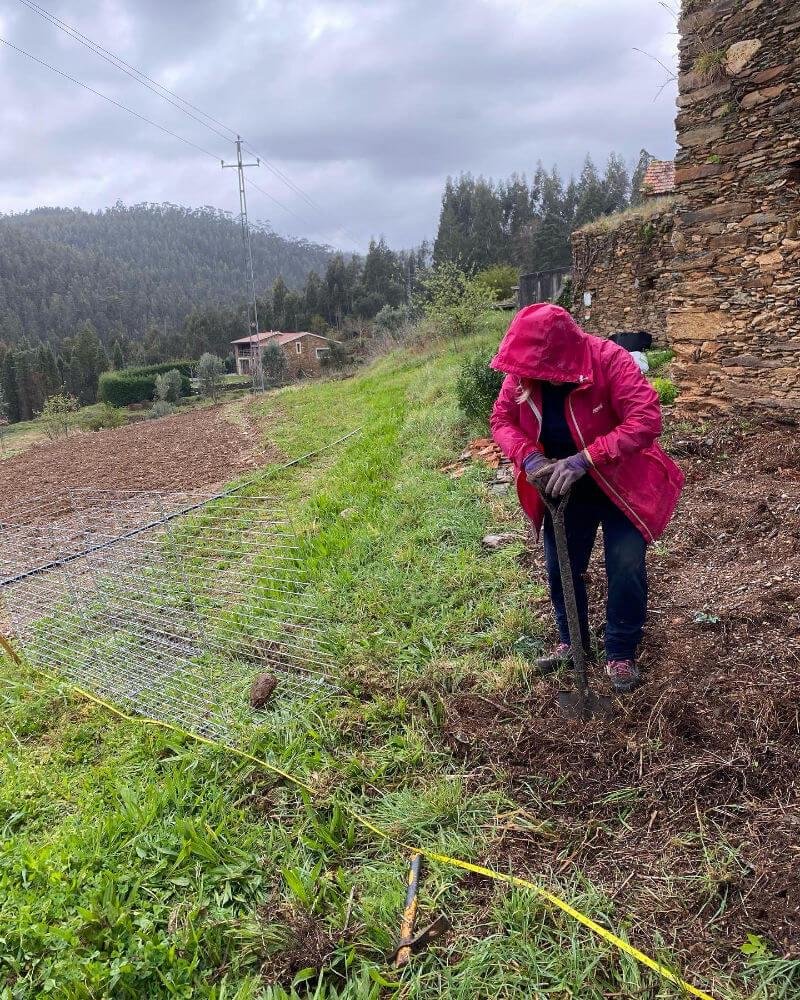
(614, 414)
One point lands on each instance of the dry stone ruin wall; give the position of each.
(624, 264)
(734, 317)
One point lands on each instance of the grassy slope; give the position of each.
(134, 863)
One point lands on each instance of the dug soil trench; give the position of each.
(684, 809)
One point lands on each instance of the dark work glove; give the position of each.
(566, 472)
(534, 466)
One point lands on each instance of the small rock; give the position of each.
(262, 689)
(494, 542)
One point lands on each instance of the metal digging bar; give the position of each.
(582, 703)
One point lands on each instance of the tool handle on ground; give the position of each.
(409, 911)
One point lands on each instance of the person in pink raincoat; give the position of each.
(576, 415)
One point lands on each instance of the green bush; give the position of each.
(169, 386)
(137, 385)
(104, 417)
(478, 386)
(453, 299)
(666, 389)
(499, 280)
(161, 408)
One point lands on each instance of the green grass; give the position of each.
(136, 863)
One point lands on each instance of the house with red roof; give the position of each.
(659, 179)
(304, 352)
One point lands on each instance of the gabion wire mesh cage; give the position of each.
(163, 603)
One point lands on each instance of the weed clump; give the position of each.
(710, 66)
(477, 387)
(666, 389)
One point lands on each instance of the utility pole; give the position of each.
(248, 259)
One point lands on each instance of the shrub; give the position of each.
(161, 408)
(666, 389)
(453, 299)
(210, 374)
(565, 295)
(499, 281)
(390, 319)
(478, 386)
(104, 417)
(276, 368)
(336, 357)
(138, 385)
(168, 386)
(58, 415)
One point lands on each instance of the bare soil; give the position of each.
(684, 808)
(199, 448)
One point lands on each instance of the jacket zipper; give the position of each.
(536, 412)
(600, 475)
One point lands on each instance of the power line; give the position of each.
(155, 87)
(105, 97)
(130, 70)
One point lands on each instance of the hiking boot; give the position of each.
(624, 675)
(559, 659)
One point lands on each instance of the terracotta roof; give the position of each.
(281, 338)
(659, 178)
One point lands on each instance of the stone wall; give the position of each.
(734, 317)
(625, 262)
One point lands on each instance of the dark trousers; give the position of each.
(625, 549)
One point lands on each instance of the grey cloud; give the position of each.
(368, 106)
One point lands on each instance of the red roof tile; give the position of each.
(659, 178)
(281, 338)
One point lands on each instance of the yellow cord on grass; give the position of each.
(639, 956)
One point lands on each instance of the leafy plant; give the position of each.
(58, 415)
(755, 947)
(499, 281)
(565, 297)
(390, 319)
(274, 365)
(161, 408)
(666, 389)
(478, 386)
(104, 417)
(453, 299)
(168, 386)
(210, 374)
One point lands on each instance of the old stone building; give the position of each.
(716, 272)
(734, 317)
(621, 270)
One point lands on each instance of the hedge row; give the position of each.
(138, 385)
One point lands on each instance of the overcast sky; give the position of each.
(366, 106)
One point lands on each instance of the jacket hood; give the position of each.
(545, 343)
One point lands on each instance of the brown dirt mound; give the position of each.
(193, 449)
(685, 807)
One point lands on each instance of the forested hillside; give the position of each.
(128, 269)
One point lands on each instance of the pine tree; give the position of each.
(616, 185)
(8, 381)
(117, 357)
(279, 293)
(637, 180)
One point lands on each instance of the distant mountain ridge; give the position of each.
(130, 268)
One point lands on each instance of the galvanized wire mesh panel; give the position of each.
(163, 604)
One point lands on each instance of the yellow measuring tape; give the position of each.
(490, 873)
